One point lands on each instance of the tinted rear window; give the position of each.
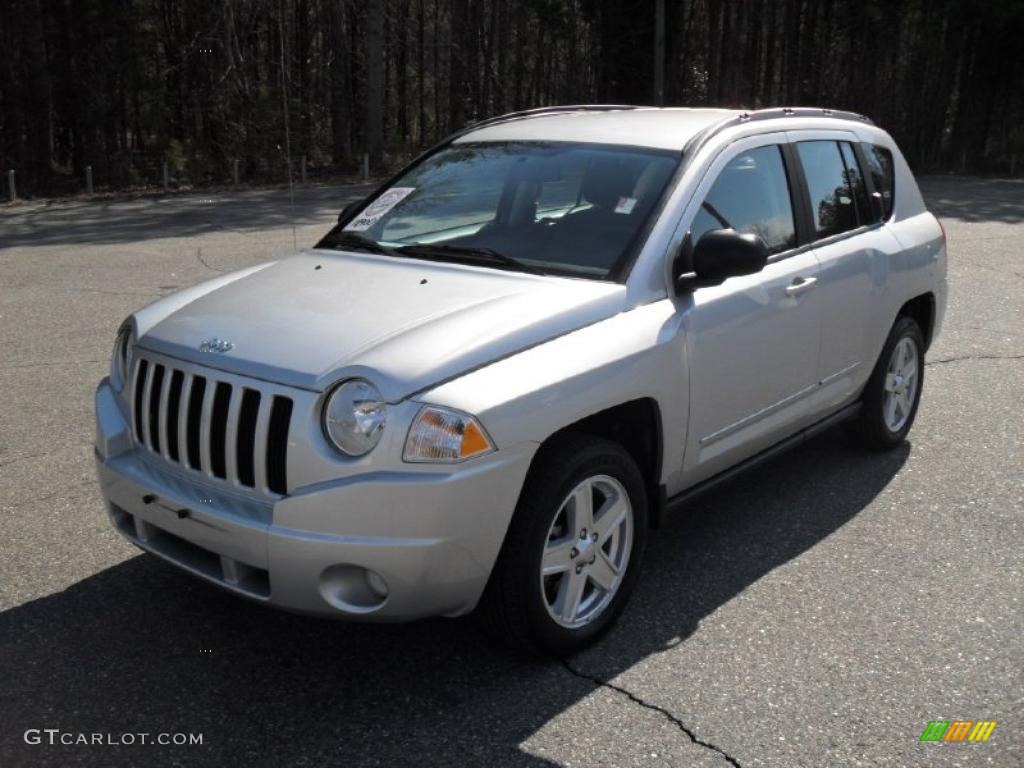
(879, 161)
(832, 196)
(856, 182)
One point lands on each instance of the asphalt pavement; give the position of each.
(819, 611)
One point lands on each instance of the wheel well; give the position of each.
(922, 310)
(636, 426)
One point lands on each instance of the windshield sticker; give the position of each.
(625, 205)
(378, 208)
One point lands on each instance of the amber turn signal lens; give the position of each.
(445, 436)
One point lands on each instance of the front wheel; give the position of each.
(893, 392)
(573, 549)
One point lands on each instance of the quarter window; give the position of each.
(751, 195)
(833, 206)
(879, 161)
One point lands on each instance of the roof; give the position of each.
(663, 128)
(659, 127)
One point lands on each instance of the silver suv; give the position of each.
(489, 382)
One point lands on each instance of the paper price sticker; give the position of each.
(625, 205)
(378, 208)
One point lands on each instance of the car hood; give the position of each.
(405, 324)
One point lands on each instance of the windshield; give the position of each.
(552, 207)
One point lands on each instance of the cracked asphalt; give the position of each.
(817, 612)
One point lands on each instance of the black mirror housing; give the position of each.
(721, 254)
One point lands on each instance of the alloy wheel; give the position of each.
(587, 551)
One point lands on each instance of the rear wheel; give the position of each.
(573, 549)
(893, 392)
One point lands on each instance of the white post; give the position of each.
(167, 178)
(366, 166)
(302, 172)
(88, 180)
(234, 171)
(10, 184)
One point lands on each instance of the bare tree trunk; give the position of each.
(373, 131)
(340, 82)
(457, 70)
(421, 76)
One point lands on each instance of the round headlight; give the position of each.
(354, 417)
(119, 360)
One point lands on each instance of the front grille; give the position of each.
(224, 430)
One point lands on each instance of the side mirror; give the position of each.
(348, 210)
(721, 254)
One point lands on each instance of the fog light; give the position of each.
(353, 589)
(376, 582)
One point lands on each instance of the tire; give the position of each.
(535, 613)
(881, 423)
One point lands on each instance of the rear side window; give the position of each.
(879, 161)
(751, 195)
(856, 181)
(832, 195)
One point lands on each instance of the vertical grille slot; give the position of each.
(173, 405)
(195, 411)
(277, 444)
(154, 407)
(140, 391)
(219, 428)
(245, 443)
(232, 430)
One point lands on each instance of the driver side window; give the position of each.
(751, 195)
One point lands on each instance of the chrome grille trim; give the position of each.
(231, 434)
(151, 433)
(262, 434)
(147, 392)
(205, 416)
(186, 391)
(161, 427)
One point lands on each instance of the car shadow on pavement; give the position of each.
(140, 648)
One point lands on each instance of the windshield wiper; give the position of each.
(355, 241)
(467, 255)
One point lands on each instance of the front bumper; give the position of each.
(430, 537)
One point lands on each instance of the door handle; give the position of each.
(801, 285)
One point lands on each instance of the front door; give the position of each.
(752, 343)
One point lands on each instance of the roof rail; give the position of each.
(771, 113)
(540, 111)
(775, 112)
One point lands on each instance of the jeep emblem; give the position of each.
(216, 345)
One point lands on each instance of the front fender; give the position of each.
(529, 396)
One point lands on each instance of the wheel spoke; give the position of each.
(582, 509)
(890, 411)
(570, 592)
(557, 557)
(613, 514)
(908, 354)
(910, 370)
(904, 402)
(602, 572)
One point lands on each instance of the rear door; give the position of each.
(853, 250)
(751, 342)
